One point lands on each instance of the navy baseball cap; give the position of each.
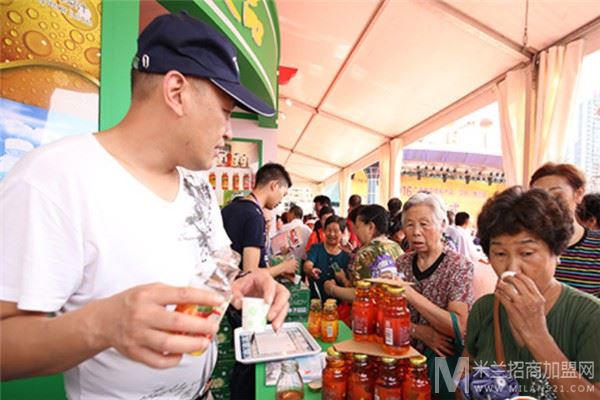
(183, 43)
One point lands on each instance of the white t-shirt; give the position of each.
(76, 226)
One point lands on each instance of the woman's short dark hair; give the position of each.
(377, 215)
(589, 207)
(571, 173)
(326, 210)
(395, 224)
(334, 219)
(516, 210)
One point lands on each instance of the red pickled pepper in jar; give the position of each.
(361, 379)
(387, 385)
(363, 323)
(416, 386)
(334, 377)
(396, 319)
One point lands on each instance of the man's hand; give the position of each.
(261, 284)
(137, 323)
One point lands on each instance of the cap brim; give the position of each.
(244, 98)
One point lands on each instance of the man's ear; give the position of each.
(173, 85)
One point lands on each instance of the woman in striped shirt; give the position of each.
(579, 264)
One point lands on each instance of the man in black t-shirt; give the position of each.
(245, 223)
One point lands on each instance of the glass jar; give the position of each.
(289, 384)
(387, 385)
(396, 319)
(329, 321)
(416, 385)
(334, 377)
(363, 322)
(314, 318)
(361, 380)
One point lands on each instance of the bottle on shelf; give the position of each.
(246, 182)
(289, 384)
(225, 181)
(396, 319)
(329, 321)
(363, 323)
(212, 179)
(236, 181)
(228, 159)
(314, 318)
(235, 162)
(387, 385)
(416, 385)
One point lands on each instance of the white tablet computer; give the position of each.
(293, 340)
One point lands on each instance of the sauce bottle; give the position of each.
(378, 299)
(314, 318)
(225, 181)
(236, 181)
(363, 323)
(329, 321)
(396, 319)
(212, 179)
(361, 381)
(416, 385)
(387, 385)
(334, 377)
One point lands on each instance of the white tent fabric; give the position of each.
(558, 69)
(372, 71)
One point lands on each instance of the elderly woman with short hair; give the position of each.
(443, 279)
(544, 327)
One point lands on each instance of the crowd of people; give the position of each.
(547, 237)
(101, 234)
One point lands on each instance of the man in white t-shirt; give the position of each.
(469, 250)
(106, 231)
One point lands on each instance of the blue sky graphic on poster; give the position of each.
(24, 127)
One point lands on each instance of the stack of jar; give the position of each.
(323, 323)
(375, 378)
(380, 314)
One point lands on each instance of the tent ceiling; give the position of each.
(369, 70)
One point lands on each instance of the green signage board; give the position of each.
(252, 26)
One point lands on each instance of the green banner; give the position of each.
(253, 28)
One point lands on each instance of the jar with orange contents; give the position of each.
(396, 319)
(334, 377)
(378, 298)
(314, 318)
(416, 385)
(329, 321)
(387, 385)
(361, 379)
(363, 322)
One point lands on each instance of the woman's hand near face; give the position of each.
(525, 306)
